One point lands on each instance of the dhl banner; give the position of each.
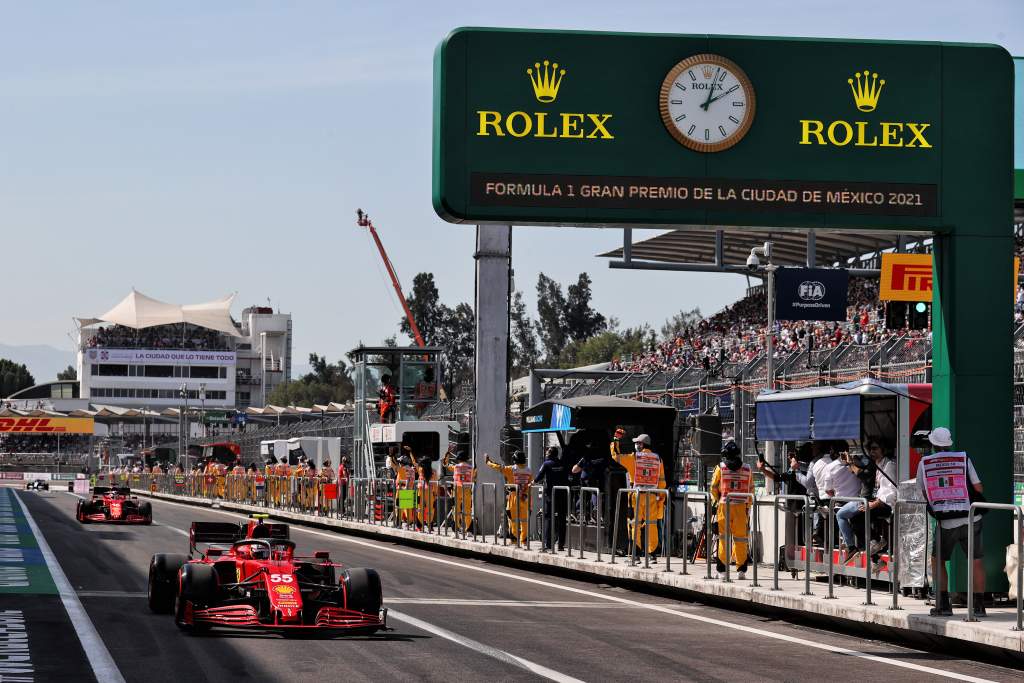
(47, 425)
(908, 277)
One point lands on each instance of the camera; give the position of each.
(753, 262)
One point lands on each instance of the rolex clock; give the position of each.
(707, 103)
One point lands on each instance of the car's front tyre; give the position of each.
(198, 587)
(363, 590)
(163, 581)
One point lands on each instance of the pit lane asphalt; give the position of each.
(579, 635)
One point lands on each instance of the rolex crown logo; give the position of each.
(866, 91)
(708, 72)
(546, 80)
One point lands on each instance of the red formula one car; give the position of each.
(114, 505)
(249, 577)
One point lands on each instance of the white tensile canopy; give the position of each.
(139, 311)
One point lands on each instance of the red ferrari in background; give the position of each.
(114, 505)
(249, 577)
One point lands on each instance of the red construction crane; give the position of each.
(363, 221)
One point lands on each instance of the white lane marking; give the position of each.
(173, 528)
(483, 649)
(459, 602)
(103, 666)
(74, 494)
(111, 594)
(625, 601)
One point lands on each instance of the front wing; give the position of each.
(127, 519)
(246, 617)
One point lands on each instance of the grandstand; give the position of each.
(144, 352)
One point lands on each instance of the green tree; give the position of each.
(14, 377)
(457, 339)
(524, 343)
(581, 321)
(680, 322)
(610, 344)
(326, 382)
(68, 373)
(550, 317)
(453, 330)
(425, 305)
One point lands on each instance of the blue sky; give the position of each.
(191, 149)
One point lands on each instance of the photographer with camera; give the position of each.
(950, 484)
(796, 481)
(876, 474)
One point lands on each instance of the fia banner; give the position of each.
(811, 293)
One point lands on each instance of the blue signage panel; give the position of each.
(811, 293)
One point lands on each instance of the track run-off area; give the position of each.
(73, 607)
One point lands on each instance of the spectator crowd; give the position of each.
(13, 442)
(736, 334)
(183, 336)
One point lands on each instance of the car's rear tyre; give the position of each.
(362, 590)
(198, 586)
(163, 581)
(146, 510)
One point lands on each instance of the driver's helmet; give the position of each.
(259, 551)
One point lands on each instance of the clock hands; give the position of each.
(715, 99)
(711, 91)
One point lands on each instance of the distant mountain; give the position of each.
(44, 362)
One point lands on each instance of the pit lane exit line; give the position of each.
(656, 608)
(103, 666)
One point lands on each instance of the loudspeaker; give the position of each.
(706, 435)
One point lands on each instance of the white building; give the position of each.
(263, 355)
(147, 353)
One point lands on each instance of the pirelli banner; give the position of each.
(908, 277)
(47, 425)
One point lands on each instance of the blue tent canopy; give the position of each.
(808, 419)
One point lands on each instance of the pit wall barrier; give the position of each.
(375, 506)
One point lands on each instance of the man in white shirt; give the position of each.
(851, 515)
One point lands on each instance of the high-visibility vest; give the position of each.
(739, 481)
(946, 484)
(404, 476)
(522, 478)
(462, 473)
(646, 469)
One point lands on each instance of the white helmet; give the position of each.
(940, 437)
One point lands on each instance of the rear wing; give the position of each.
(212, 532)
(257, 528)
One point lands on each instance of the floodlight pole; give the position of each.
(770, 342)
(769, 284)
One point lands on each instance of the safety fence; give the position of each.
(647, 525)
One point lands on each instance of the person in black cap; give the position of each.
(733, 477)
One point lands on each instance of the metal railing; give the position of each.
(373, 501)
(739, 498)
(707, 526)
(866, 551)
(1018, 513)
(636, 524)
(896, 559)
(807, 547)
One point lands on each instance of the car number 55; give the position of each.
(281, 578)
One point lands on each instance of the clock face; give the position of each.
(707, 103)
